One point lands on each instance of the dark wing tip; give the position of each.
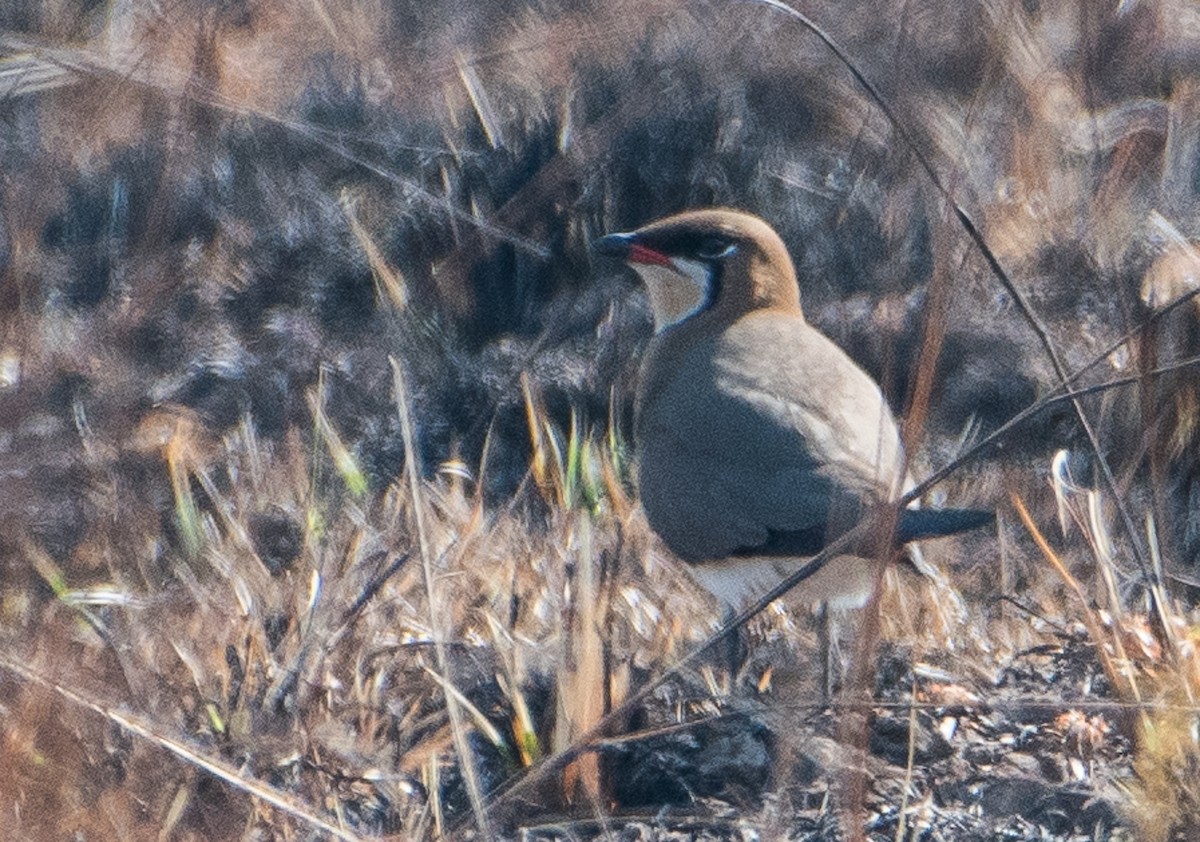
(916, 524)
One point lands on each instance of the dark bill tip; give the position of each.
(614, 245)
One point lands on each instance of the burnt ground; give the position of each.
(1025, 764)
(1031, 744)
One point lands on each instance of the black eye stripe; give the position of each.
(703, 244)
(714, 248)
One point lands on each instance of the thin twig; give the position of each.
(997, 270)
(222, 771)
(458, 728)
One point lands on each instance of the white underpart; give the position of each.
(676, 291)
(845, 582)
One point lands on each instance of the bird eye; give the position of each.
(714, 248)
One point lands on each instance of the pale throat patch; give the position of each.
(675, 293)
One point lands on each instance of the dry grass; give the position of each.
(337, 650)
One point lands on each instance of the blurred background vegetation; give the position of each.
(240, 242)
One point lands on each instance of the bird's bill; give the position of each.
(627, 248)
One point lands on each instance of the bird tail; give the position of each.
(918, 524)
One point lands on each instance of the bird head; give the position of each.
(713, 260)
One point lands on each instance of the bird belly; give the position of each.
(845, 582)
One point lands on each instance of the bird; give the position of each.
(758, 440)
